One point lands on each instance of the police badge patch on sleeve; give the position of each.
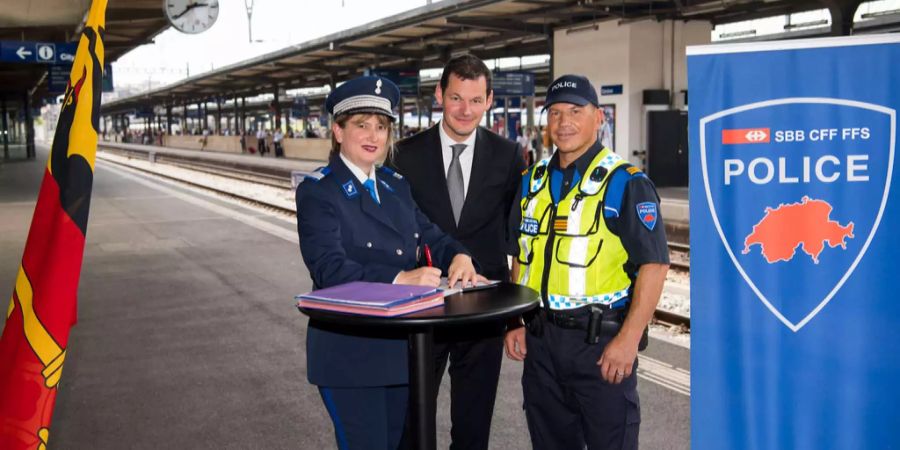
(647, 212)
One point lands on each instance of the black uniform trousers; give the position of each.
(567, 403)
(474, 372)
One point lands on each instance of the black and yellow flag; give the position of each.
(43, 305)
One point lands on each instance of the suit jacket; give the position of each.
(497, 167)
(345, 236)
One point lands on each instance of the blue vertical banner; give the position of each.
(795, 303)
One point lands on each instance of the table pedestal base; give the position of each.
(422, 404)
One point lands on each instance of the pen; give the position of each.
(428, 256)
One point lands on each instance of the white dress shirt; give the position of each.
(465, 159)
(361, 176)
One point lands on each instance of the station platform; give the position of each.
(246, 161)
(16, 152)
(188, 336)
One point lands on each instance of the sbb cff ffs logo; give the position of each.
(745, 136)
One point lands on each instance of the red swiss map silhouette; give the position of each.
(806, 224)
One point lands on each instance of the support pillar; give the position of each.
(529, 109)
(842, 12)
(169, 119)
(29, 127)
(5, 128)
(218, 116)
(277, 109)
(244, 114)
(199, 115)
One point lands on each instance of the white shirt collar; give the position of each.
(447, 141)
(357, 172)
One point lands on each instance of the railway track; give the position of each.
(660, 316)
(680, 256)
(672, 320)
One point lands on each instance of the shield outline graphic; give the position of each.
(887, 187)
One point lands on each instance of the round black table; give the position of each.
(498, 303)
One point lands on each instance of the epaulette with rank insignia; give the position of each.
(317, 174)
(389, 171)
(632, 170)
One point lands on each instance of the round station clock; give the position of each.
(191, 16)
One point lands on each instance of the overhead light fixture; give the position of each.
(812, 23)
(591, 27)
(872, 15)
(534, 39)
(737, 34)
(703, 9)
(636, 19)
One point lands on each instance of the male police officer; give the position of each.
(591, 240)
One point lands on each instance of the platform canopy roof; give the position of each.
(129, 24)
(427, 36)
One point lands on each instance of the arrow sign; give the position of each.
(22, 53)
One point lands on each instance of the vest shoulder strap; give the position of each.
(538, 176)
(598, 172)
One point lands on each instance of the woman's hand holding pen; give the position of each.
(423, 276)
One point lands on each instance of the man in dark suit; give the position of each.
(464, 178)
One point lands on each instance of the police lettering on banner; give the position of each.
(826, 169)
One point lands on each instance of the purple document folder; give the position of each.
(367, 294)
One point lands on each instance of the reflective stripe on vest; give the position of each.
(587, 260)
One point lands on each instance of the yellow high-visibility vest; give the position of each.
(566, 252)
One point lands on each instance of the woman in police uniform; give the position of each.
(359, 222)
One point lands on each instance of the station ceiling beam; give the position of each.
(428, 36)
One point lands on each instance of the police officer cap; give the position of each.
(364, 95)
(574, 89)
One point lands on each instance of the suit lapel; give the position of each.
(477, 177)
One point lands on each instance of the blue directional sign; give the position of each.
(406, 80)
(612, 89)
(106, 83)
(514, 84)
(299, 108)
(29, 52)
(58, 78)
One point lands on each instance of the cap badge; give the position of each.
(378, 86)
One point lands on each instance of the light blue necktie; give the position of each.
(369, 184)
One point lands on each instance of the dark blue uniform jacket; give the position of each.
(346, 236)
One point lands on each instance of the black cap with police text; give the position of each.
(574, 89)
(364, 95)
